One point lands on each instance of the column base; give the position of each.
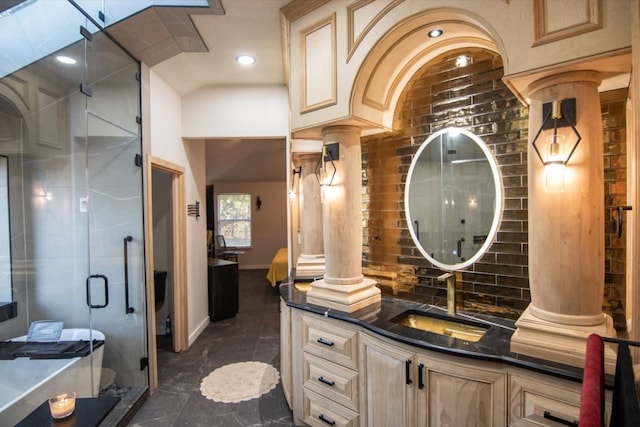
(347, 298)
(560, 343)
(309, 267)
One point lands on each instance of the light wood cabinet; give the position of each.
(386, 383)
(325, 371)
(285, 351)
(344, 375)
(538, 399)
(403, 386)
(458, 392)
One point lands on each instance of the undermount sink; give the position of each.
(461, 329)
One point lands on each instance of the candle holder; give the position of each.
(62, 405)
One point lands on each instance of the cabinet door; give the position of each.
(458, 394)
(386, 384)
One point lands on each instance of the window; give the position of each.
(234, 219)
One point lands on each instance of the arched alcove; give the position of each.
(401, 52)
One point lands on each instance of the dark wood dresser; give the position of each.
(222, 278)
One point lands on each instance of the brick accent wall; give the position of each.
(613, 106)
(472, 97)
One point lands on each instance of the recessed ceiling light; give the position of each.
(66, 59)
(245, 59)
(436, 32)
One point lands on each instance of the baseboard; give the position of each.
(253, 267)
(194, 336)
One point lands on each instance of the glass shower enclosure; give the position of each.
(70, 140)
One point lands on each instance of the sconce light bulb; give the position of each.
(556, 152)
(554, 177)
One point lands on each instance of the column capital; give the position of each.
(587, 76)
(341, 129)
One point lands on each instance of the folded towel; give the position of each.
(625, 408)
(592, 396)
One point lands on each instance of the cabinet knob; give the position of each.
(325, 342)
(549, 416)
(326, 381)
(407, 372)
(326, 420)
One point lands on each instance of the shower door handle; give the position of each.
(128, 309)
(105, 281)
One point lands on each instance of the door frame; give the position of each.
(179, 282)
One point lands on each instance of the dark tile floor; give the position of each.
(253, 334)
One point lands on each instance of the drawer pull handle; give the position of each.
(407, 372)
(326, 420)
(548, 416)
(326, 381)
(420, 378)
(325, 342)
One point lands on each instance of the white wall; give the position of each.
(236, 111)
(166, 143)
(178, 127)
(268, 225)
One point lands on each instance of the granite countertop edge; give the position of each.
(494, 346)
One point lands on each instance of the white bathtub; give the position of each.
(26, 383)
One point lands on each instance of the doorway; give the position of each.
(167, 226)
(162, 223)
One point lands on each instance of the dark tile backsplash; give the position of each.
(475, 98)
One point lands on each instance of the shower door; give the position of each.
(113, 200)
(75, 190)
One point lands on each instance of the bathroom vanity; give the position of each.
(367, 368)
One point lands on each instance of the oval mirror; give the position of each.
(453, 198)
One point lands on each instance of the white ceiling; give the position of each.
(164, 38)
(247, 27)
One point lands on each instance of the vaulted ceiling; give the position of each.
(190, 48)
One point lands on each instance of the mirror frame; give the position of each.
(497, 214)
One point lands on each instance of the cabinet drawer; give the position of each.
(321, 412)
(330, 380)
(330, 340)
(529, 400)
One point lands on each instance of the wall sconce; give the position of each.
(258, 202)
(194, 210)
(556, 115)
(292, 192)
(326, 169)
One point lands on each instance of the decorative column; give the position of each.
(566, 229)
(310, 263)
(343, 286)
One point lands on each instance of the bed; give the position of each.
(279, 269)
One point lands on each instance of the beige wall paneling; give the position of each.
(362, 16)
(318, 77)
(560, 19)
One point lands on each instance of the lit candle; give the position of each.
(62, 405)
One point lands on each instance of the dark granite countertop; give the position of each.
(493, 346)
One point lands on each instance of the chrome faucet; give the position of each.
(450, 278)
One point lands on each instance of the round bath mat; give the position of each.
(238, 382)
